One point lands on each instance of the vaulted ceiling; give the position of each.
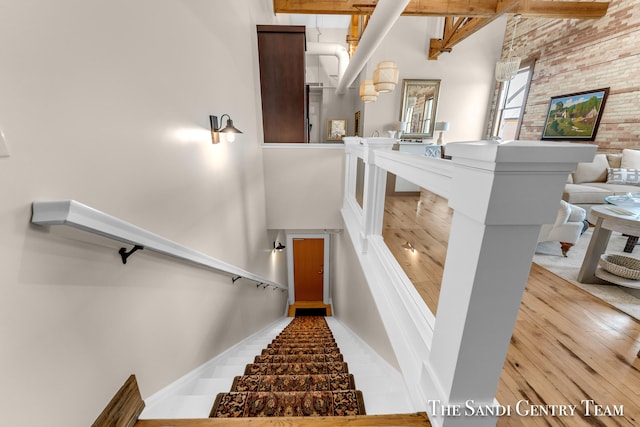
(462, 17)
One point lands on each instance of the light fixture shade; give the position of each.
(229, 128)
(506, 69)
(385, 76)
(368, 92)
(442, 126)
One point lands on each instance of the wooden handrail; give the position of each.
(83, 217)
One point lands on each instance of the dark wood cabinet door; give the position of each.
(281, 51)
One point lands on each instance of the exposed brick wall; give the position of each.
(579, 55)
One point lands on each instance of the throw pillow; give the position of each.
(630, 159)
(614, 159)
(595, 171)
(623, 176)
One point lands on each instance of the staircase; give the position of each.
(188, 401)
(300, 373)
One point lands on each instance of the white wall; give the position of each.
(466, 75)
(353, 303)
(304, 186)
(107, 102)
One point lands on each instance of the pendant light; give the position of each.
(368, 92)
(385, 76)
(506, 69)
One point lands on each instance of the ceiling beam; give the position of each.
(472, 8)
(561, 9)
(457, 29)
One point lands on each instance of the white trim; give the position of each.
(494, 224)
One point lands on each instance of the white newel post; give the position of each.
(500, 195)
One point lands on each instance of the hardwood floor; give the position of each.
(567, 346)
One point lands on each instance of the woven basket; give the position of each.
(621, 265)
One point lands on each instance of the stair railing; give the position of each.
(500, 194)
(75, 214)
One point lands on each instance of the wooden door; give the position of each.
(281, 57)
(308, 269)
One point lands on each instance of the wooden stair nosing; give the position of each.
(419, 419)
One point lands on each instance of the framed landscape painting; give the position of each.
(575, 116)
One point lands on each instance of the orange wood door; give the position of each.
(308, 269)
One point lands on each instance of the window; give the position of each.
(511, 103)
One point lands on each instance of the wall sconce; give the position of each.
(442, 127)
(277, 246)
(229, 129)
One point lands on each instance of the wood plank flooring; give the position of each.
(567, 346)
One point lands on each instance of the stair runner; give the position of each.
(301, 373)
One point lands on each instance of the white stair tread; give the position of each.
(378, 403)
(211, 386)
(226, 371)
(382, 386)
(180, 407)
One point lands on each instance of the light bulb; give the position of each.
(230, 136)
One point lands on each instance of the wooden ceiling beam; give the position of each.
(462, 17)
(466, 26)
(463, 27)
(472, 8)
(561, 9)
(454, 33)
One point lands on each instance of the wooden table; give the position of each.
(606, 222)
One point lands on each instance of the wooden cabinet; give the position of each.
(281, 51)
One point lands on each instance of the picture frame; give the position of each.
(575, 116)
(356, 124)
(336, 129)
(418, 106)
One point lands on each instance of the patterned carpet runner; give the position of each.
(301, 373)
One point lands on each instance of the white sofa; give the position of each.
(607, 175)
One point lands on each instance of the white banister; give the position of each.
(500, 195)
(83, 217)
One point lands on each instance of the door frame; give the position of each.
(326, 298)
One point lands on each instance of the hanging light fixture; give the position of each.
(506, 69)
(368, 92)
(385, 76)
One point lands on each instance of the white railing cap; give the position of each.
(491, 154)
